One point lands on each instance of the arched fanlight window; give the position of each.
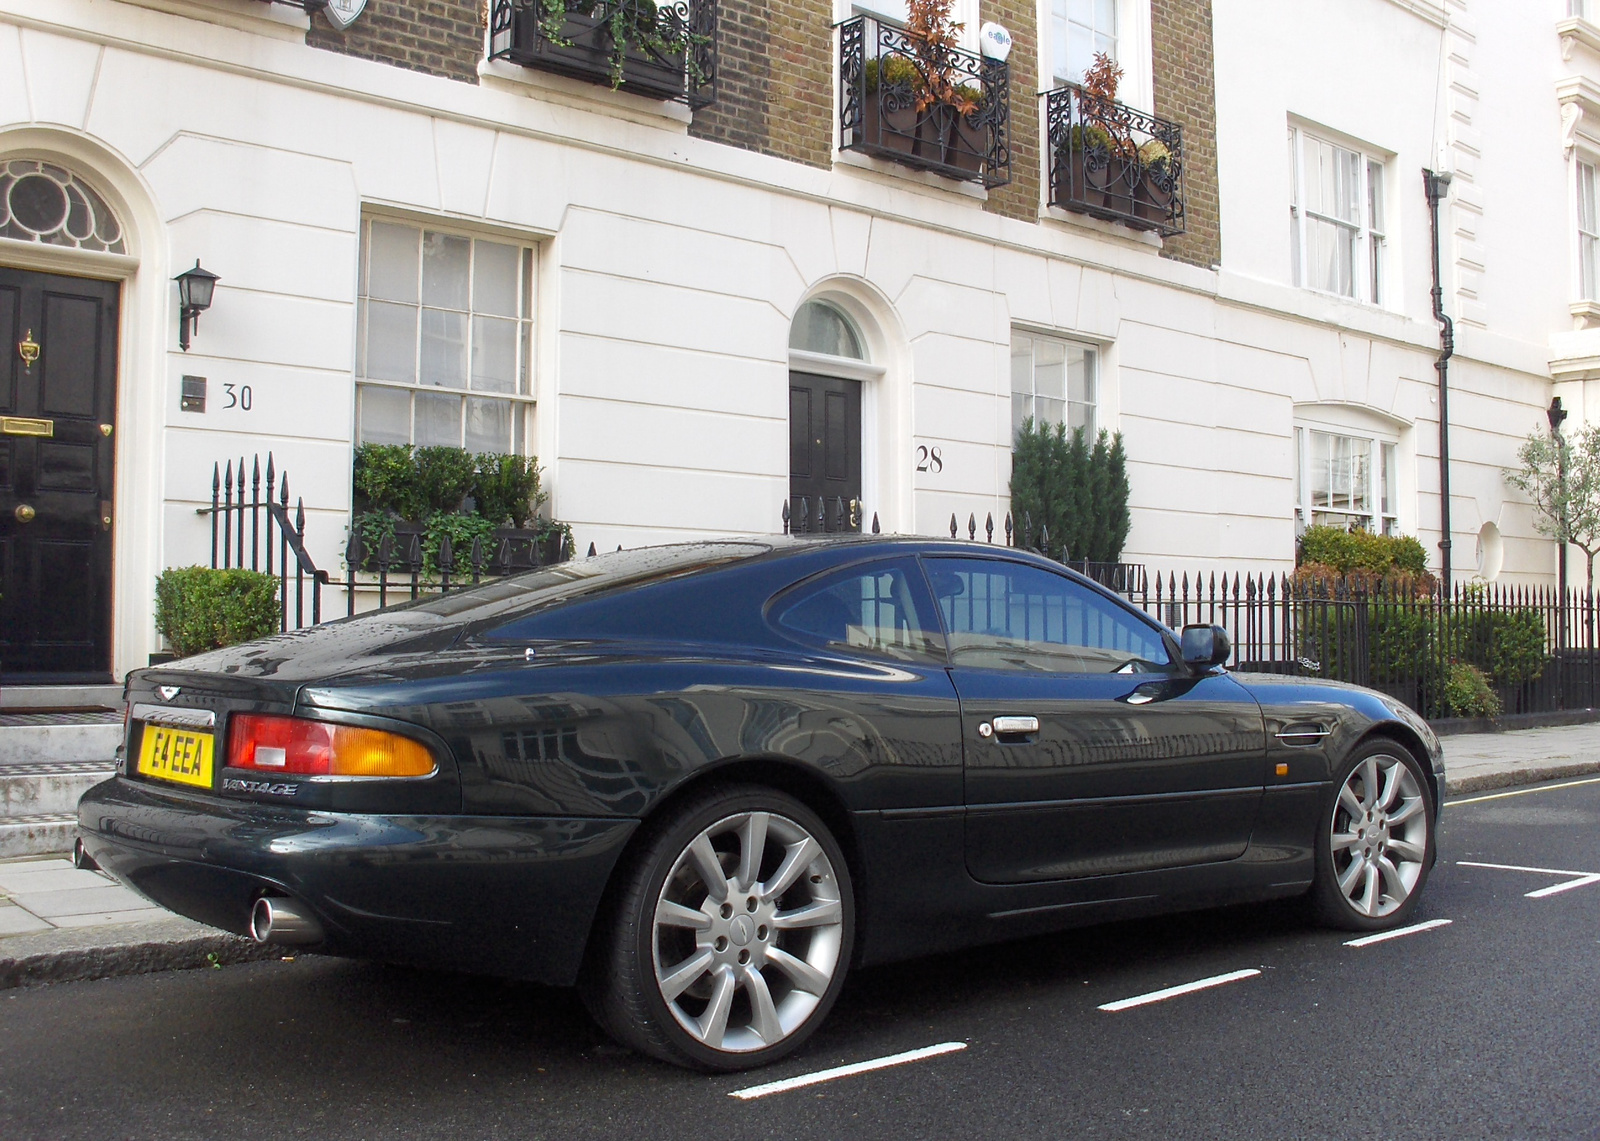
(822, 328)
(44, 203)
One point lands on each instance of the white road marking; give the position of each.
(1521, 792)
(1384, 936)
(1583, 879)
(1175, 991)
(854, 1068)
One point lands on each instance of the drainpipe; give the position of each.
(1436, 184)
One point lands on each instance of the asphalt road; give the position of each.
(1485, 1027)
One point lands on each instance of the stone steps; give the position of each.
(56, 742)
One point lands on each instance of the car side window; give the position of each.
(880, 608)
(1007, 615)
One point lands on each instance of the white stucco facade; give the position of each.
(669, 269)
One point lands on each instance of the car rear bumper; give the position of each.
(512, 896)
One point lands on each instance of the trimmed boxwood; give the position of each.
(201, 608)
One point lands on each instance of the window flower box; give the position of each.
(885, 111)
(663, 51)
(1110, 161)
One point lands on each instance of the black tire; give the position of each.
(1370, 840)
(622, 984)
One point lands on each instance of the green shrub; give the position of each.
(1079, 492)
(385, 477)
(1347, 551)
(444, 477)
(199, 608)
(1467, 693)
(507, 487)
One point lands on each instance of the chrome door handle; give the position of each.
(1016, 724)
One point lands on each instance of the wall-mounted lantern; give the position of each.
(195, 287)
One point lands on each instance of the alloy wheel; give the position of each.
(747, 932)
(1379, 837)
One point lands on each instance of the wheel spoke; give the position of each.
(1347, 798)
(805, 976)
(1406, 850)
(669, 914)
(818, 914)
(1369, 782)
(1343, 840)
(795, 861)
(1391, 878)
(1391, 785)
(1351, 874)
(763, 1014)
(1369, 892)
(713, 1024)
(681, 977)
(1406, 811)
(752, 843)
(709, 867)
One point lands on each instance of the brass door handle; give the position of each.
(24, 513)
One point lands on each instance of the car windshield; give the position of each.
(583, 577)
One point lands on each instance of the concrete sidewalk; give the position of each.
(59, 924)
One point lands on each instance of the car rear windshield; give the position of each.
(585, 577)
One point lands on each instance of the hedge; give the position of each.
(201, 608)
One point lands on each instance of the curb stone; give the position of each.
(1505, 778)
(77, 955)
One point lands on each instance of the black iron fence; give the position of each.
(1442, 653)
(922, 105)
(274, 535)
(409, 565)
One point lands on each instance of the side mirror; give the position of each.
(1206, 646)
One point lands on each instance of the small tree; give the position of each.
(1561, 476)
(1076, 488)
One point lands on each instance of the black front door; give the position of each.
(57, 404)
(824, 453)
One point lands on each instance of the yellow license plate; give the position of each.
(181, 755)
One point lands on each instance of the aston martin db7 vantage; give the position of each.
(702, 781)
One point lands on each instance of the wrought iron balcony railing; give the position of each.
(664, 50)
(1113, 162)
(944, 111)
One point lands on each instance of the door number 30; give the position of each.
(929, 459)
(238, 396)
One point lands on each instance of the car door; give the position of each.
(1088, 749)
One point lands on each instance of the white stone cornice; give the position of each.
(1575, 31)
(1430, 10)
(1579, 91)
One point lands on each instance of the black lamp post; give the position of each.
(1436, 185)
(1556, 415)
(195, 287)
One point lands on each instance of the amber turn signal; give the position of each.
(303, 747)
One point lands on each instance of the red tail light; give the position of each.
(296, 745)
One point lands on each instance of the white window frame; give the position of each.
(1383, 514)
(964, 12)
(1133, 53)
(1371, 271)
(1095, 404)
(524, 400)
(1586, 199)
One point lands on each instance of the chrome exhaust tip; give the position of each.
(277, 919)
(81, 857)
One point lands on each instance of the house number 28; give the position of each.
(929, 459)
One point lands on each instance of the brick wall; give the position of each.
(1019, 198)
(440, 37)
(1185, 90)
(774, 80)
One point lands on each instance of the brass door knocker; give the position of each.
(28, 350)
